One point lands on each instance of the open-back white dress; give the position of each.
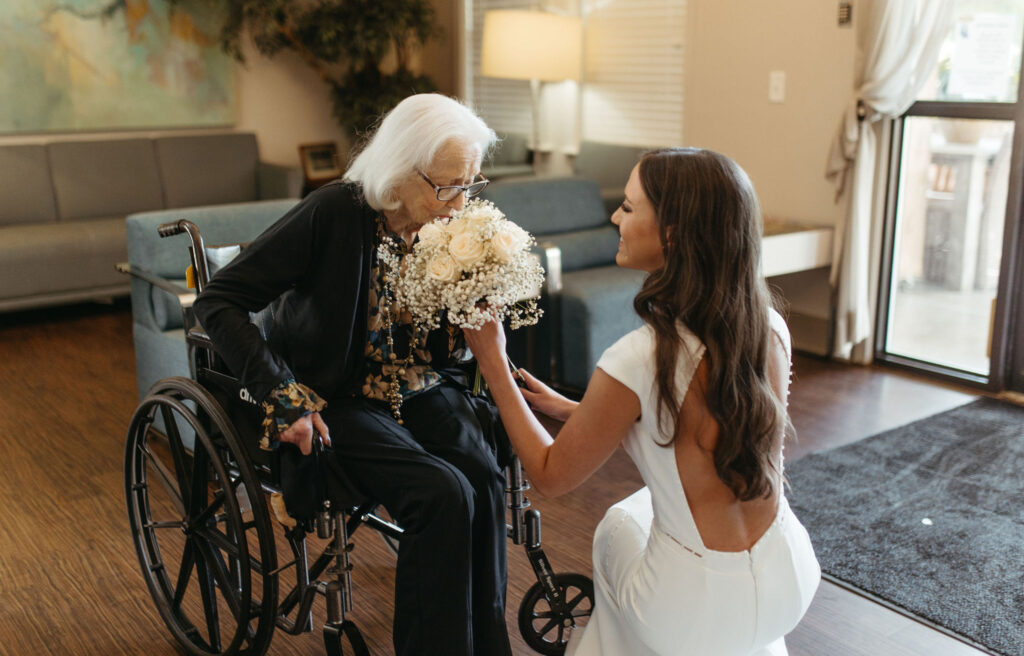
(658, 589)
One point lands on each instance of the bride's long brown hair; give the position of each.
(710, 225)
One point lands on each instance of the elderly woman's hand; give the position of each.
(301, 432)
(488, 346)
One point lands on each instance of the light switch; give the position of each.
(777, 86)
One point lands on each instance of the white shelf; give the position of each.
(800, 250)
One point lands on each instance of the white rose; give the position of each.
(506, 243)
(457, 226)
(431, 233)
(467, 222)
(443, 268)
(467, 249)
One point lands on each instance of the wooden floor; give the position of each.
(69, 579)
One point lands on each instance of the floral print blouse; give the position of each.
(285, 405)
(413, 379)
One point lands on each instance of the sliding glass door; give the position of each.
(949, 287)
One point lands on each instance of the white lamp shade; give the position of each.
(531, 45)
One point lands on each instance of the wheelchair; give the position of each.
(199, 496)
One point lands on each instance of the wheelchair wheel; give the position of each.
(545, 628)
(200, 523)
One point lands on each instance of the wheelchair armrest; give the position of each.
(184, 295)
(198, 337)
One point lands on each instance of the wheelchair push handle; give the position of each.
(200, 269)
(171, 228)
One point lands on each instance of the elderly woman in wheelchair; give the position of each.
(340, 402)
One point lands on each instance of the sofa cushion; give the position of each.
(549, 205)
(38, 259)
(607, 164)
(585, 248)
(596, 310)
(104, 178)
(510, 149)
(26, 189)
(218, 224)
(208, 169)
(509, 157)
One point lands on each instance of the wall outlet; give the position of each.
(777, 86)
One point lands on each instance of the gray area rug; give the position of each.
(928, 518)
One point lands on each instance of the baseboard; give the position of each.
(103, 294)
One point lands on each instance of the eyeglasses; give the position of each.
(451, 192)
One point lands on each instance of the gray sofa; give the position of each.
(588, 300)
(609, 165)
(510, 157)
(63, 204)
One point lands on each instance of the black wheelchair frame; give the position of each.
(203, 533)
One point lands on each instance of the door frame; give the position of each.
(1006, 362)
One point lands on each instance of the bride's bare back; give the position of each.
(724, 522)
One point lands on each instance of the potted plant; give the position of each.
(360, 48)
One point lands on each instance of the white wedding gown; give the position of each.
(658, 590)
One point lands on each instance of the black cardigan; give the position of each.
(314, 266)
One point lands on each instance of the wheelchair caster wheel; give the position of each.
(200, 523)
(545, 627)
(334, 634)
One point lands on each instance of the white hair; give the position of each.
(408, 138)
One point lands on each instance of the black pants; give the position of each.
(438, 477)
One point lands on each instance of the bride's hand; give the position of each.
(544, 399)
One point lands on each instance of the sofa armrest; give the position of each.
(279, 181)
(184, 295)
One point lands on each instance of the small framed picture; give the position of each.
(320, 161)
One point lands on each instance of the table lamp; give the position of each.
(531, 45)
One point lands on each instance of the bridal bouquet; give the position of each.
(476, 266)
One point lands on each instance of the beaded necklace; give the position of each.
(387, 256)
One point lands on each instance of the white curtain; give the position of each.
(897, 47)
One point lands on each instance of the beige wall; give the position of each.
(286, 104)
(732, 46)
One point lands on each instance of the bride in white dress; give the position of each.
(707, 559)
